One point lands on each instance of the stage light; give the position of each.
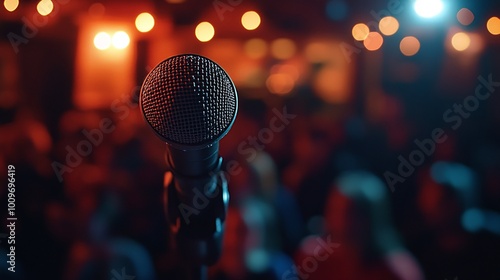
(373, 41)
(250, 20)
(45, 7)
(120, 40)
(256, 48)
(465, 16)
(144, 22)
(11, 5)
(493, 25)
(360, 31)
(388, 25)
(102, 40)
(204, 31)
(283, 48)
(428, 8)
(460, 41)
(409, 46)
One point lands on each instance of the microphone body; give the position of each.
(191, 103)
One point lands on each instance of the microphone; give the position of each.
(190, 102)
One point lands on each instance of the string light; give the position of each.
(250, 20)
(388, 25)
(144, 22)
(360, 31)
(204, 31)
(11, 5)
(45, 7)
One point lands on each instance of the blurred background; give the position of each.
(366, 144)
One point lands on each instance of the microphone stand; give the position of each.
(196, 207)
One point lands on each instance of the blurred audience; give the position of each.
(99, 214)
(360, 241)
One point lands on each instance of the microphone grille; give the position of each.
(189, 101)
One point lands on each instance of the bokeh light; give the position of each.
(250, 20)
(317, 52)
(409, 45)
(102, 40)
(11, 5)
(255, 48)
(460, 41)
(388, 25)
(204, 31)
(144, 22)
(332, 84)
(493, 25)
(280, 83)
(465, 16)
(373, 41)
(45, 7)
(428, 8)
(120, 40)
(360, 31)
(283, 48)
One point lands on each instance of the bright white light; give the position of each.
(428, 8)
(120, 40)
(102, 40)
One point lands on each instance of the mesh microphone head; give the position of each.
(189, 101)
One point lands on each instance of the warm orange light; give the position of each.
(388, 25)
(256, 48)
(332, 84)
(250, 20)
(465, 16)
(120, 40)
(102, 41)
(409, 46)
(360, 31)
(280, 83)
(460, 41)
(45, 7)
(283, 48)
(317, 52)
(204, 31)
(11, 5)
(493, 25)
(144, 22)
(373, 41)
